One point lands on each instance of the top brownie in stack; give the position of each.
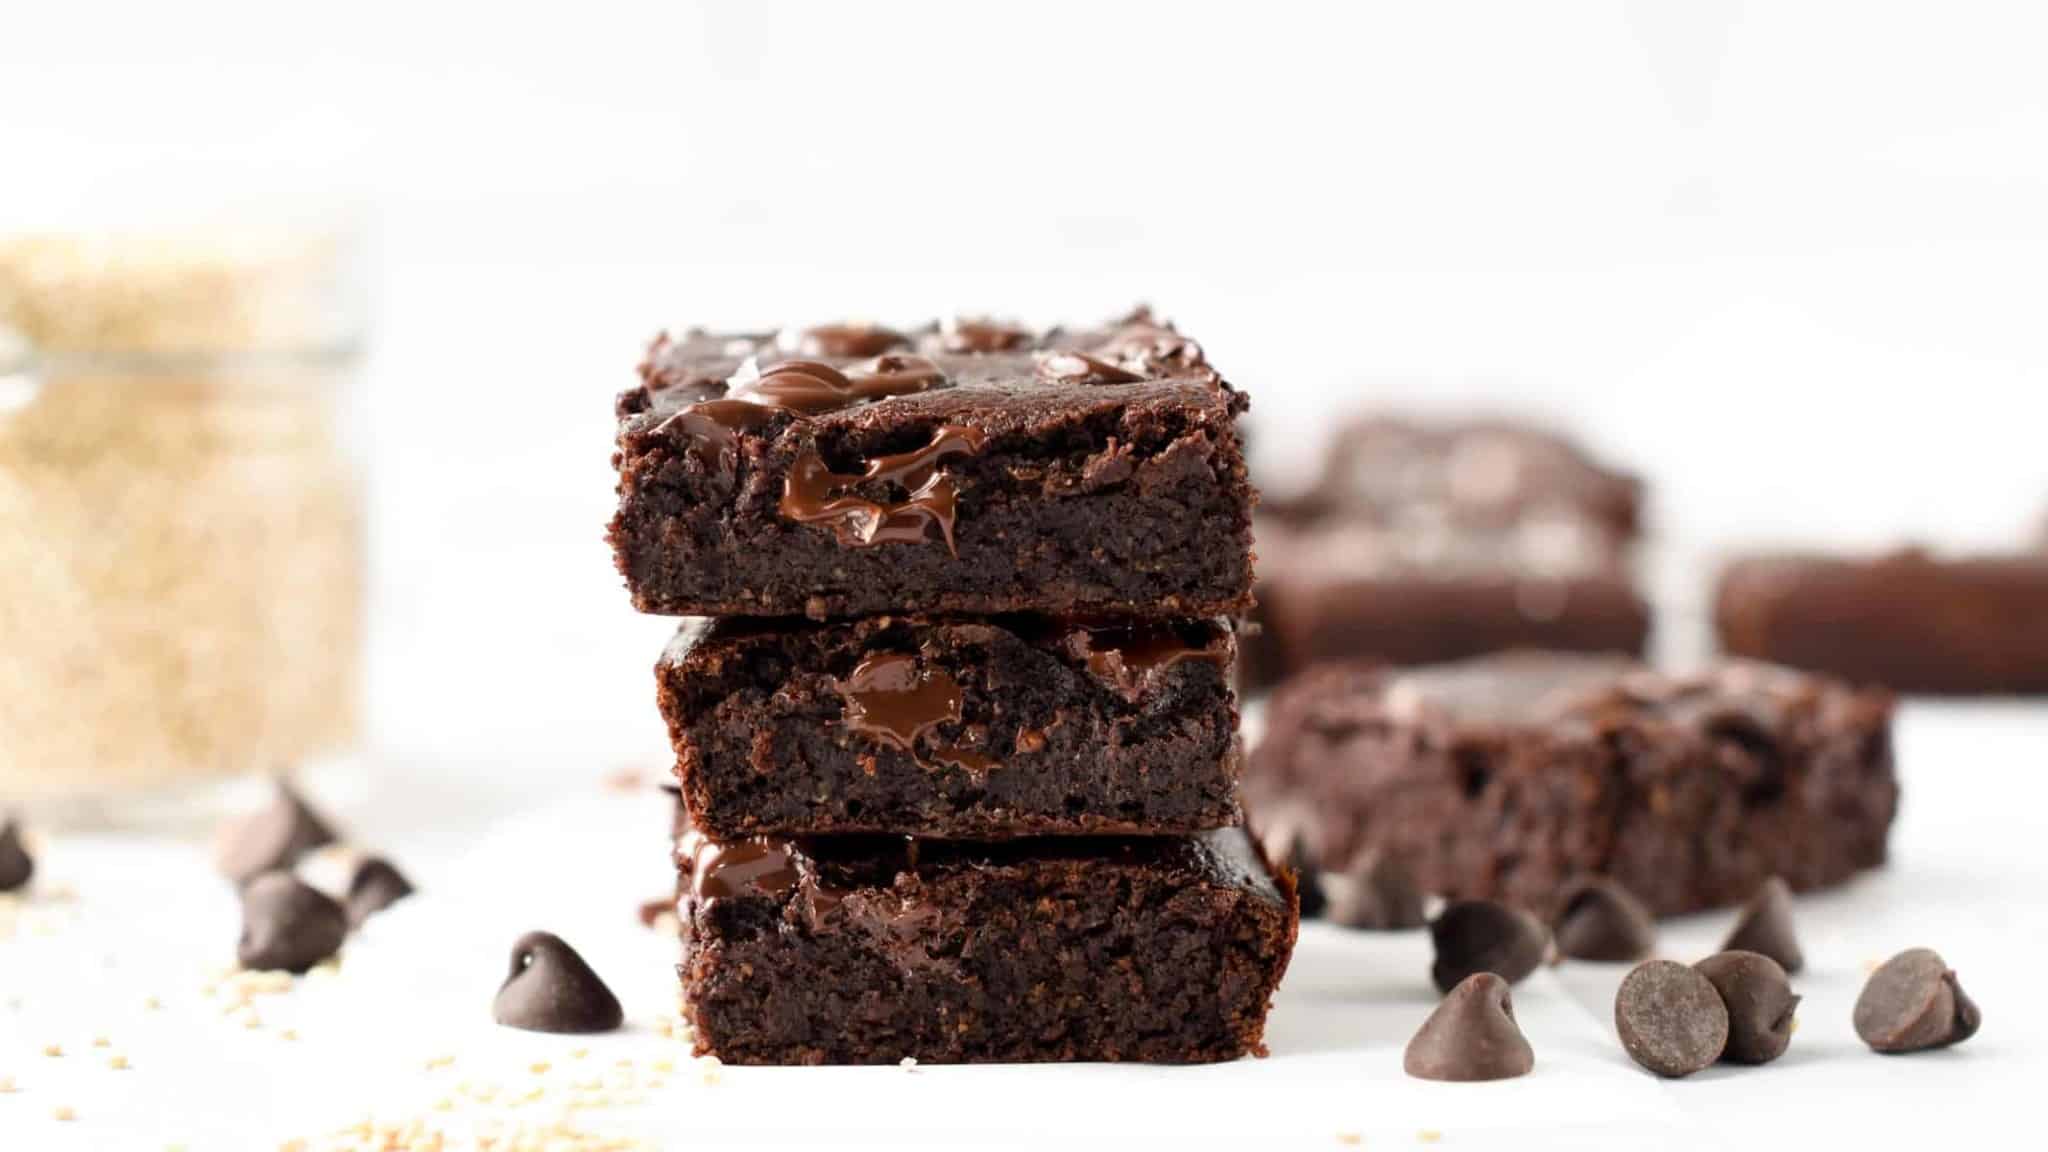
(974, 467)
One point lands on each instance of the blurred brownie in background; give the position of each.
(1909, 620)
(1511, 776)
(1423, 542)
(1479, 473)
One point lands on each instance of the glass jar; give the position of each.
(181, 517)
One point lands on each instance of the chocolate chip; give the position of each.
(1377, 892)
(1914, 1003)
(1671, 1019)
(273, 837)
(1287, 842)
(288, 924)
(1599, 920)
(1482, 936)
(1472, 1035)
(16, 865)
(1068, 367)
(377, 885)
(551, 989)
(1765, 927)
(1760, 1004)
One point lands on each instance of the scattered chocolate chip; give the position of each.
(1671, 1019)
(1600, 920)
(551, 989)
(1765, 927)
(1912, 1003)
(1377, 892)
(1286, 840)
(1482, 936)
(288, 925)
(1760, 1004)
(377, 885)
(16, 865)
(1472, 1035)
(273, 837)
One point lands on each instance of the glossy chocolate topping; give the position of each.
(713, 429)
(1081, 368)
(893, 698)
(844, 341)
(1128, 654)
(814, 494)
(812, 387)
(980, 335)
(744, 867)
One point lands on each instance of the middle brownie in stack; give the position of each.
(959, 748)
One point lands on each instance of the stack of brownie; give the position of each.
(1431, 540)
(957, 740)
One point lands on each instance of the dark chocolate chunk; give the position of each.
(273, 837)
(847, 341)
(1765, 927)
(1913, 1003)
(551, 989)
(1760, 1004)
(1285, 841)
(1599, 920)
(16, 865)
(979, 335)
(288, 925)
(814, 494)
(377, 885)
(1377, 892)
(1482, 936)
(1472, 1035)
(1671, 1018)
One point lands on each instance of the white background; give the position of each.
(1785, 258)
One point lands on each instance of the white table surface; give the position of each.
(403, 1030)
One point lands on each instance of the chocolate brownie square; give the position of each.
(1425, 541)
(1909, 620)
(1355, 590)
(849, 951)
(967, 468)
(1476, 473)
(1511, 776)
(976, 728)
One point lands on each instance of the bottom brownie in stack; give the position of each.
(1509, 777)
(857, 950)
